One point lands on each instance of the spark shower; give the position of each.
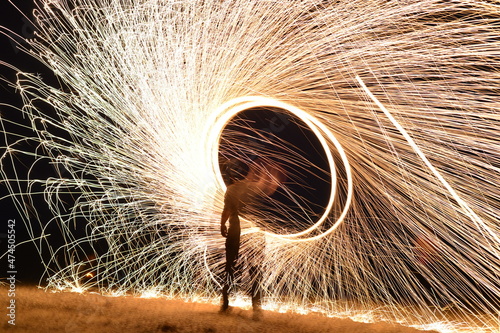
(402, 96)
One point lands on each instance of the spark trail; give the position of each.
(401, 95)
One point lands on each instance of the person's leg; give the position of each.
(228, 280)
(232, 249)
(225, 298)
(256, 292)
(256, 274)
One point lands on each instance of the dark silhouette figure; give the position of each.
(239, 195)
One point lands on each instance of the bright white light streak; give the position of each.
(473, 216)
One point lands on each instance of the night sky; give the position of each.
(27, 259)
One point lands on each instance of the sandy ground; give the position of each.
(40, 311)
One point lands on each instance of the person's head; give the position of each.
(235, 170)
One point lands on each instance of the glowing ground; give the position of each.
(40, 311)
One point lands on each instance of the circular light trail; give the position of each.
(230, 109)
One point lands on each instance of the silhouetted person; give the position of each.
(241, 193)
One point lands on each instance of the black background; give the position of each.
(28, 263)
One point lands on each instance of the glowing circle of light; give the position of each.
(230, 109)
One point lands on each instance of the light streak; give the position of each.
(477, 220)
(401, 95)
